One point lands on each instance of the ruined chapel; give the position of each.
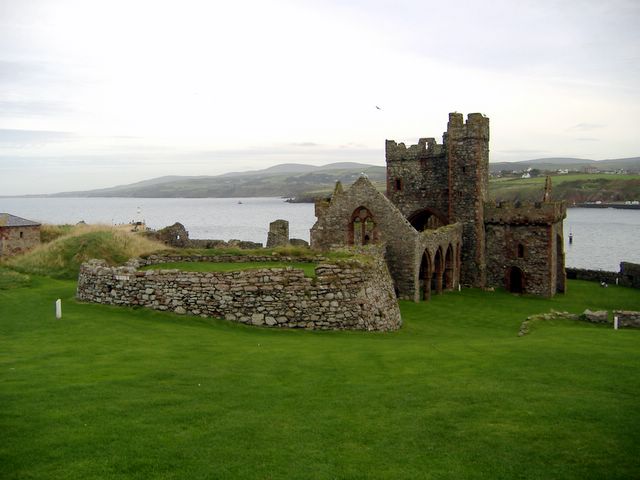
(437, 225)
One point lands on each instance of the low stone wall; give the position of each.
(591, 275)
(629, 275)
(627, 319)
(344, 295)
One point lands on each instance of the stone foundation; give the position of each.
(352, 294)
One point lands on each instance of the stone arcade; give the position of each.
(438, 226)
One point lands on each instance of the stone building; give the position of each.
(17, 235)
(437, 223)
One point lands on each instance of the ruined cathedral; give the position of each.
(436, 223)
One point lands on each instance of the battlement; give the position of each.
(476, 127)
(425, 147)
(520, 213)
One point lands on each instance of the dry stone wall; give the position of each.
(627, 319)
(354, 295)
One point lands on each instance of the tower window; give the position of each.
(398, 184)
(21, 234)
(520, 250)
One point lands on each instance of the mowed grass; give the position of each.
(309, 269)
(118, 393)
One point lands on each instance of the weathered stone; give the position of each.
(436, 202)
(294, 301)
(600, 316)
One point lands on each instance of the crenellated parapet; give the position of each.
(428, 147)
(476, 127)
(524, 213)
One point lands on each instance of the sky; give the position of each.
(102, 93)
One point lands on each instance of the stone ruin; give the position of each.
(278, 236)
(438, 226)
(345, 294)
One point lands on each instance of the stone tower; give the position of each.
(435, 185)
(467, 146)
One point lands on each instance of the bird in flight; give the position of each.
(378, 108)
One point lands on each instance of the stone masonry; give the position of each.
(278, 235)
(439, 228)
(17, 235)
(354, 294)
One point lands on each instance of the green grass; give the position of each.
(62, 257)
(11, 279)
(573, 187)
(118, 393)
(309, 269)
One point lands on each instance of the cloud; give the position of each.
(32, 108)
(23, 138)
(585, 127)
(304, 144)
(587, 139)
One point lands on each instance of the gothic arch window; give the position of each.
(362, 227)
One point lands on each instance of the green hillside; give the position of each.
(574, 188)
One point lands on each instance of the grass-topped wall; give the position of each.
(342, 294)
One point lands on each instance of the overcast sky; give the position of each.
(99, 93)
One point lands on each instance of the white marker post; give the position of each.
(615, 322)
(58, 309)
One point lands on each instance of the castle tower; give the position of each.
(467, 150)
(435, 185)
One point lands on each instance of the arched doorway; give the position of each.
(448, 269)
(515, 280)
(362, 227)
(424, 278)
(427, 219)
(438, 269)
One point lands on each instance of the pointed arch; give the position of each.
(425, 276)
(427, 219)
(438, 270)
(449, 269)
(363, 229)
(515, 280)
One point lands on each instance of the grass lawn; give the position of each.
(308, 268)
(118, 393)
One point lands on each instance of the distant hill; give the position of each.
(285, 180)
(631, 164)
(305, 182)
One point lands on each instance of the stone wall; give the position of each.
(278, 235)
(449, 181)
(629, 275)
(592, 275)
(627, 319)
(355, 294)
(17, 240)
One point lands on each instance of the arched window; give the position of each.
(520, 250)
(362, 227)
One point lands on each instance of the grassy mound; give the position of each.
(10, 279)
(61, 258)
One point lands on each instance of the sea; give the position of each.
(602, 238)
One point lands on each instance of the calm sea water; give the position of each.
(602, 238)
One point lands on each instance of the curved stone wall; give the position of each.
(354, 295)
